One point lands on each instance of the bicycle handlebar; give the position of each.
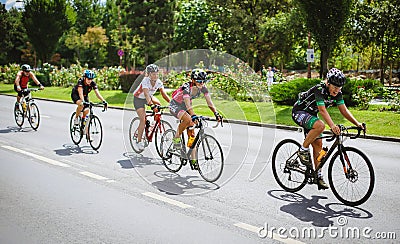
(344, 131)
(160, 108)
(95, 105)
(198, 125)
(30, 89)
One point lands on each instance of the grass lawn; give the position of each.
(378, 123)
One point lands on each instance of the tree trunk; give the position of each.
(324, 63)
(382, 68)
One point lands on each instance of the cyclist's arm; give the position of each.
(325, 115)
(147, 96)
(210, 103)
(188, 105)
(17, 79)
(348, 115)
(165, 95)
(33, 77)
(98, 95)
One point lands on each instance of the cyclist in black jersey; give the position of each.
(305, 114)
(80, 93)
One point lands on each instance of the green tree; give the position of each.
(191, 25)
(325, 19)
(45, 22)
(13, 35)
(89, 13)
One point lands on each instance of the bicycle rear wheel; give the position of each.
(171, 158)
(34, 116)
(355, 187)
(19, 115)
(95, 132)
(289, 173)
(159, 131)
(75, 130)
(210, 158)
(133, 133)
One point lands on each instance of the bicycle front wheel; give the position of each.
(95, 132)
(19, 116)
(34, 116)
(288, 172)
(210, 158)
(133, 135)
(159, 131)
(75, 130)
(171, 158)
(355, 186)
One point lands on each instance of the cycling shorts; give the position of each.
(304, 119)
(75, 97)
(175, 108)
(139, 103)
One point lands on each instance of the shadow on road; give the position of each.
(310, 210)
(71, 149)
(137, 161)
(15, 129)
(175, 184)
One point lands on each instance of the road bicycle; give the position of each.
(205, 149)
(350, 172)
(27, 108)
(90, 126)
(155, 128)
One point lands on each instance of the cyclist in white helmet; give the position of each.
(144, 94)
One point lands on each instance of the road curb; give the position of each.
(240, 122)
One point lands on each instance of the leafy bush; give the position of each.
(8, 73)
(352, 86)
(362, 97)
(287, 93)
(130, 79)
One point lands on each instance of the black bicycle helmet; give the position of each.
(199, 75)
(151, 68)
(336, 77)
(89, 74)
(26, 67)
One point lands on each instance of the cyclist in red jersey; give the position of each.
(22, 80)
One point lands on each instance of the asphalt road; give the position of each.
(52, 191)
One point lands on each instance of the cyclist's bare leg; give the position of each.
(186, 121)
(317, 147)
(18, 99)
(79, 108)
(141, 112)
(317, 129)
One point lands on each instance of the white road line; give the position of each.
(41, 158)
(94, 176)
(272, 235)
(167, 200)
(45, 116)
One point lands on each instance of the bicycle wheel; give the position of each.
(289, 173)
(355, 187)
(133, 135)
(94, 132)
(161, 128)
(33, 116)
(19, 116)
(210, 158)
(75, 130)
(171, 158)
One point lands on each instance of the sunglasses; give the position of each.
(201, 81)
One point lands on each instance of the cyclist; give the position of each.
(80, 93)
(305, 114)
(144, 94)
(181, 104)
(22, 80)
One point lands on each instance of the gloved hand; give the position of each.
(41, 87)
(218, 117)
(105, 105)
(195, 118)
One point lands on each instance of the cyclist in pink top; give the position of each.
(181, 103)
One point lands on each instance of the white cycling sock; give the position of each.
(304, 149)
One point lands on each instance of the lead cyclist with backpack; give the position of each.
(305, 113)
